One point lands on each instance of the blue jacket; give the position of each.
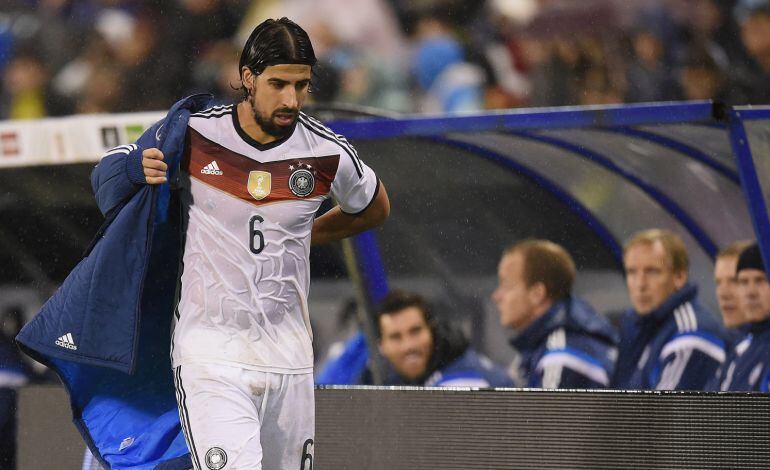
(733, 338)
(678, 346)
(749, 367)
(471, 369)
(106, 330)
(569, 346)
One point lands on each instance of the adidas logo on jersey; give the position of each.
(212, 169)
(66, 341)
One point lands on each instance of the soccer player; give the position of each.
(562, 341)
(214, 232)
(668, 340)
(254, 175)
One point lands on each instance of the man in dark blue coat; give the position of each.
(668, 340)
(726, 282)
(562, 341)
(423, 351)
(749, 368)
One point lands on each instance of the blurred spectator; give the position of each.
(712, 29)
(498, 36)
(700, 78)
(78, 77)
(14, 373)
(24, 88)
(668, 340)
(139, 57)
(554, 76)
(648, 76)
(419, 349)
(754, 18)
(191, 29)
(446, 81)
(216, 71)
(562, 341)
(749, 369)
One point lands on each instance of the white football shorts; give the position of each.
(241, 419)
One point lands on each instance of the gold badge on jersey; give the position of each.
(259, 184)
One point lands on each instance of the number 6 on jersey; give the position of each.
(256, 237)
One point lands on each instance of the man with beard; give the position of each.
(255, 175)
(420, 349)
(218, 205)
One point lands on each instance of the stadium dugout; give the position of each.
(462, 188)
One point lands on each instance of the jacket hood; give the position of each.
(572, 314)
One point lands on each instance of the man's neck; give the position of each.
(538, 312)
(250, 126)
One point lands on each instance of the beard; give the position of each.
(268, 123)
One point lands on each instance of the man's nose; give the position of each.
(290, 97)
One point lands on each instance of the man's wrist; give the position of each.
(134, 168)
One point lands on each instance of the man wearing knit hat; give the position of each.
(749, 369)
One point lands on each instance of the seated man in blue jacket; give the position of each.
(423, 351)
(668, 340)
(726, 281)
(749, 367)
(419, 349)
(562, 341)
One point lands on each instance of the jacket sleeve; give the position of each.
(688, 361)
(571, 368)
(347, 367)
(119, 173)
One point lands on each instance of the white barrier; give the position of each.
(72, 139)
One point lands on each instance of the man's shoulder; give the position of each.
(690, 317)
(691, 328)
(213, 112)
(585, 323)
(322, 134)
(474, 365)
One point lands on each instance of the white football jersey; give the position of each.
(249, 210)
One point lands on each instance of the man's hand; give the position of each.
(154, 166)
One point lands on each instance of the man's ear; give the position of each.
(680, 279)
(538, 293)
(247, 77)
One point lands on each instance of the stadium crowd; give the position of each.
(59, 57)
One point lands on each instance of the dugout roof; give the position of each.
(464, 187)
